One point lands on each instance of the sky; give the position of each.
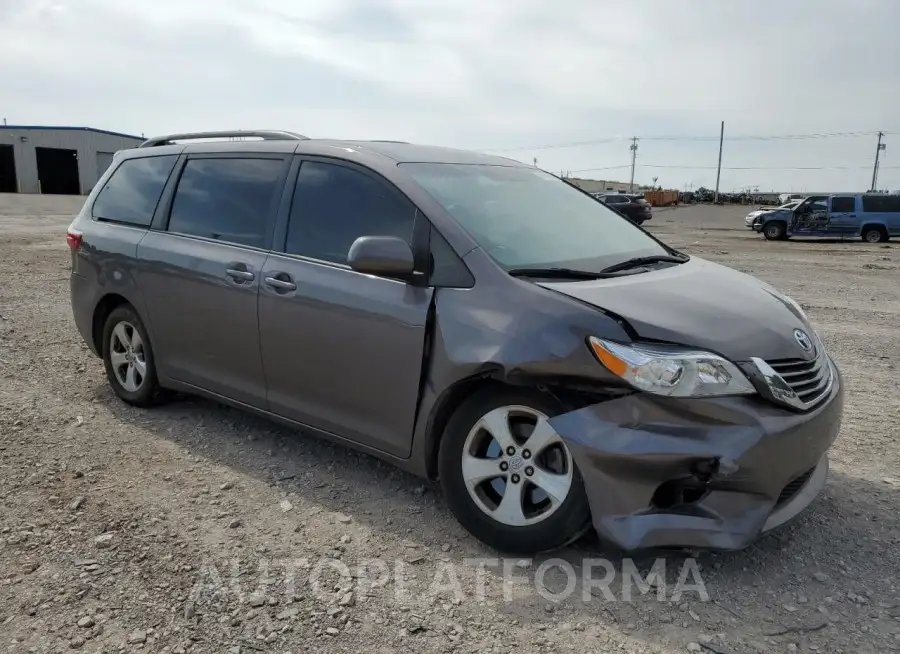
(506, 76)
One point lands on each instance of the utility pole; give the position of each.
(719, 169)
(881, 146)
(633, 147)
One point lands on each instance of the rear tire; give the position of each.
(874, 234)
(128, 358)
(494, 484)
(774, 231)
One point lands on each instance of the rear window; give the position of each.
(881, 203)
(131, 193)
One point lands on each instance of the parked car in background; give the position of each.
(787, 197)
(873, 217)
(753, 216)
(632, 206)
(468, 318)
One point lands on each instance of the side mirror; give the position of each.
(384, 256)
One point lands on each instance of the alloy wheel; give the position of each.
(126, 354)
(516, 467)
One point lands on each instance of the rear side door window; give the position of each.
(334, 204)
(228, 199)
(132, 192)
(843, 204)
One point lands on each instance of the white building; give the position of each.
(56, 160)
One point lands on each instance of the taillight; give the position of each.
(73, 238)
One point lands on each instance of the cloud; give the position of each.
(473, 74)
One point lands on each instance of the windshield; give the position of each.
(524, 217)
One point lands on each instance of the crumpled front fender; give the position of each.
(626, 448)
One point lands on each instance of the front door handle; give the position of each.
(281, 284)
(240, 275)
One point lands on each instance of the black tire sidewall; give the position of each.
(777, 228)
(868, 231)
(147, 394)
(568, 522)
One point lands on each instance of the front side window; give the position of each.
(132, 192)
(524, 217)
(813, 204)
(229, 200)
(334, 205)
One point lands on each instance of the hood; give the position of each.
(699, 304)
(778, 213)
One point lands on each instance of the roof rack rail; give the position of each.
(264, 134)
(388, 141)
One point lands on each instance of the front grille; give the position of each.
(793, 487)
(810, 380)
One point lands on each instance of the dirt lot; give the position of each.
(179, 529)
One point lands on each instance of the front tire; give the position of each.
(774, 231)
(128, 358)
(508, 478)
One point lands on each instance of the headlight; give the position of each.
(669, 371)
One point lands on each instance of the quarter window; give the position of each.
(132, 192)
(334, 205)
(881, 203)
(227, 199)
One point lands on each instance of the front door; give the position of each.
(810, 216)
(343, 351)
(200, 275)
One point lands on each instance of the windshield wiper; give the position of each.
(638, 262)
(557, 273)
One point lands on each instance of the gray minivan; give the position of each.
(469, 318)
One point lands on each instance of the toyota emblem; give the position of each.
(803, 340)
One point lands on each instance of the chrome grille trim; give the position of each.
(799, 383)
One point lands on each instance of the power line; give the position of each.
(683, 167)
(763, 167)
(573, 144)
(592, 170)
(769, 137)
(745, 137)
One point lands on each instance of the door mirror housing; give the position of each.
(384, 256)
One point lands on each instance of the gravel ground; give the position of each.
(196, 528)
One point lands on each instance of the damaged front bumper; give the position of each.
(698, 473)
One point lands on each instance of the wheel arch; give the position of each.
(881, 227)
(567, 396)
(105, 306)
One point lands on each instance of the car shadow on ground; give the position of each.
(778, 571)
